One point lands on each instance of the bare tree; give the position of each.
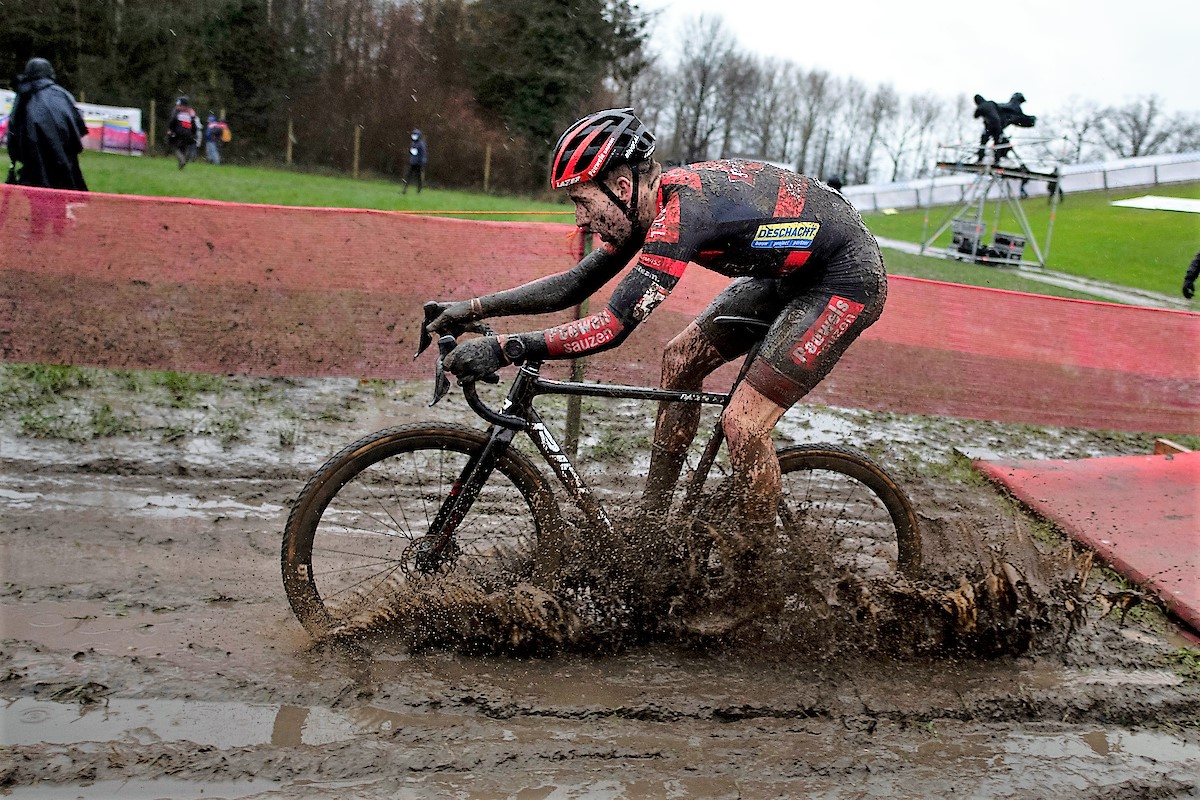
(789, 118)
(1076, 124)
(649, 95)
(854, 101)
(880, 108)
(813, 96)
(1135, 129)
(706, 46)
(738, 81)
(1187, 133)
(906, 134)
(764, 107)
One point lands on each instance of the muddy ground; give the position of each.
(148, 649)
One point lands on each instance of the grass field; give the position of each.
(1091, 238)
(160, 177)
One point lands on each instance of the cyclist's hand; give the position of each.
(1189, 289)
(475, 359)
(451, 318)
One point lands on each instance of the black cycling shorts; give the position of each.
(811, 325)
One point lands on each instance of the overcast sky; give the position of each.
(1049, 50)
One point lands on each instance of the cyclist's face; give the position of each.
(596, 213)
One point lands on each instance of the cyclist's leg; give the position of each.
(688, 359)
(747, 422)
(802, 346)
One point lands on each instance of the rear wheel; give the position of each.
(839, 503)
(357, 532)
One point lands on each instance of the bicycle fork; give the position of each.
(463, 494)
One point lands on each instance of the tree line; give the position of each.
(493, 82)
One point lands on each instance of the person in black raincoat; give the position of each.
(993, 125)
(45, 131)
(1189, 278)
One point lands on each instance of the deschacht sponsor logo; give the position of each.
(785, 234)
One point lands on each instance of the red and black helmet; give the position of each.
(599, 142)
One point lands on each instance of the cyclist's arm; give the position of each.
(556, 292)
(638, 293)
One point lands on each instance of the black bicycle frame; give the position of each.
(518, 414)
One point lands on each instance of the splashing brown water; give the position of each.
(973, 600)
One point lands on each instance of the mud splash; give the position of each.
(650, 588)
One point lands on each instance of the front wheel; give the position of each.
(357, 533)
(840, 504)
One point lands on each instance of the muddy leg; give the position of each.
(756, 479)
(757, 483)
(687, 360)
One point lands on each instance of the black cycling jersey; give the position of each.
(738, 218)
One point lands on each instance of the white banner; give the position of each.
(110, 128)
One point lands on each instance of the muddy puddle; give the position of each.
(147, 649)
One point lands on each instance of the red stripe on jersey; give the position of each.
(584, 335)
(792, 191)
(681, 177)
(794, 261)
(667, 266)
(665, 227)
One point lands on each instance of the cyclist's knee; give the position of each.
(687, 359)
(745, 430)
(680, 372)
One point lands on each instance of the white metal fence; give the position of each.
(948, 189)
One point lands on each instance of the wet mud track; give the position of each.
(147, 650)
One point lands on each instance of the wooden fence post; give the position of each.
(574, 402)
(357, 142)
(287, 158)
(487, 166)
(153, 117)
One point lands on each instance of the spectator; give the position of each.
(183, 131)
(1189, 279)
(417, 159)
(45, 131)
(216, 132)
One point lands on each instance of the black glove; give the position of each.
(455, 317)
(1189, 289)
(475, 359)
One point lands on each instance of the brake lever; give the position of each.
(433, 310)
(441, 383)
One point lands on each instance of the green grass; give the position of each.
(161, 177)
(1091, 238)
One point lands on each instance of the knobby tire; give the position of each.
(843, 498)
(348, 544)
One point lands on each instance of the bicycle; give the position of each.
(418, 501)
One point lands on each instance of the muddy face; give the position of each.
(595, 212)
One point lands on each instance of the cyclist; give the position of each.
(800, 255)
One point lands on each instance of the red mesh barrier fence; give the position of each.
(147, 283)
